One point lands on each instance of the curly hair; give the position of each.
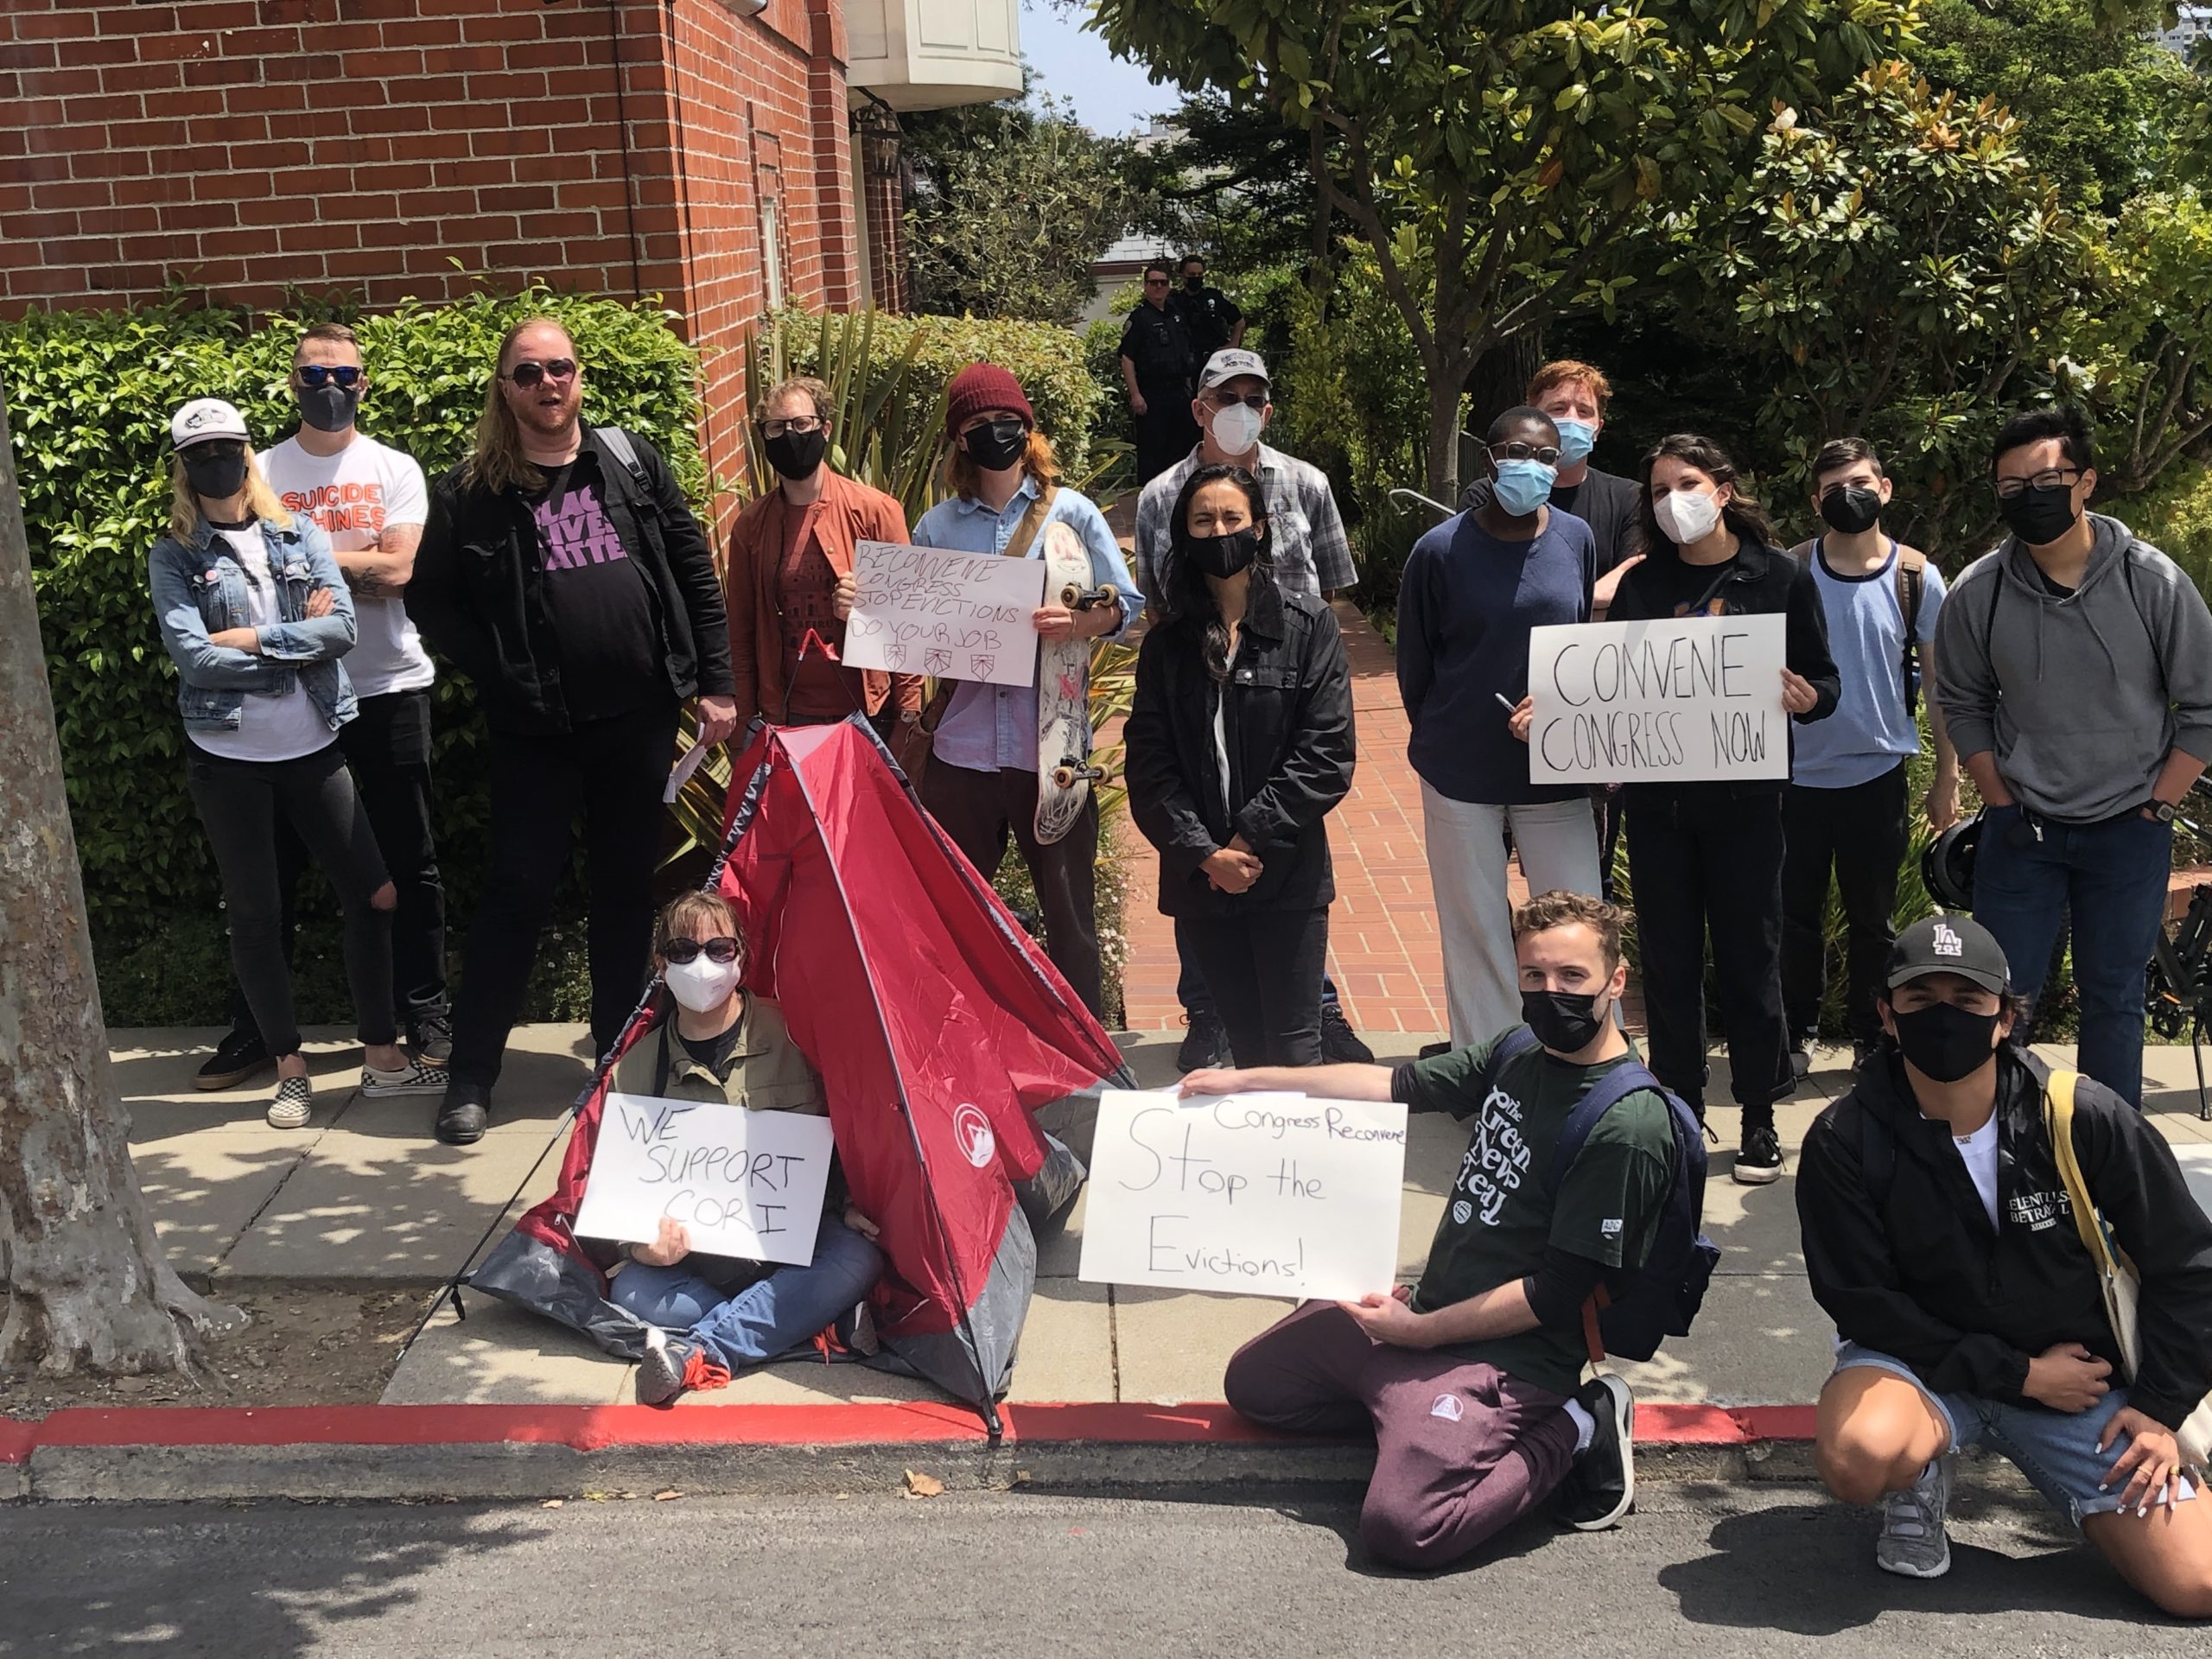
(1559, 908)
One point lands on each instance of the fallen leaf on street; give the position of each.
(921, 1486)
(550, 1503)
(663, 1497)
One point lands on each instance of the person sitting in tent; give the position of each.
(718, 1044)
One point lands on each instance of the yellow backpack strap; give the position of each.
(2058, 1113)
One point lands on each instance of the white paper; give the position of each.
(689, 764)
(1683, 700)
(953, 616)
(744, 1184)
(1263, 1195)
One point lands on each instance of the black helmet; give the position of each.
(1947, 867)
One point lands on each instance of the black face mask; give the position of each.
(329, 408)
(2040, 517)
(1566, 1022)
(215, 471)
(997, 445)
(1194, 283)
(796, 454)
(1945, 1042)
(1223, 555)
(1852, 509)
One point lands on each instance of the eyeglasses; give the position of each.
(529, 374)
(1229, 399)
(1546, 456)
(2051, 477)
(721, 948)
(1156, 282)
(800, 424)
(316, 376)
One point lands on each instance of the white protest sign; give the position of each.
(1641, 702)
(955, 616)
(744, 1184)
(1268, 1195)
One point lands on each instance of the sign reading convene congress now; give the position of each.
(1643, 703)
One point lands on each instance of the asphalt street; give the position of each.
(1757, 1571)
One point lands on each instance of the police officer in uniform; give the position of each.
(1213, 321)
(1157, 366)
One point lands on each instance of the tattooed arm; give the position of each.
(381, 572)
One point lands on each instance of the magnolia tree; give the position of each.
(1497, 157)
(2146, 337)
(88, 1287)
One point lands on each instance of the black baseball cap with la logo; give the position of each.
(1948, 944)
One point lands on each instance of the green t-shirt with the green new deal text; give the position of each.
(1500, 1215)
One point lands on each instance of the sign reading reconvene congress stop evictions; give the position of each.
(1648, 702)
(1271, 1195)
(953, 616)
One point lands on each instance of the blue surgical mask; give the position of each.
(1524, 485)
(1575, 439)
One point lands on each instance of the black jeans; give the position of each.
(1165, 432)
(1699, 855)
(979, 809)
(1263, 971)
(612, 772)
(387, 747)
(241, 803)
(1861, 832)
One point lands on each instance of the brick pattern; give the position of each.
(242, 148)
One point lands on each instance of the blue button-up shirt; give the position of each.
(990, 728)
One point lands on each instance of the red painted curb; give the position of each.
(591, 1428)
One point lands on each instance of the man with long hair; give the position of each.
(563, 573)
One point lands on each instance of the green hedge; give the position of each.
(89, 398)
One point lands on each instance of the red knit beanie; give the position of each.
(981, 386)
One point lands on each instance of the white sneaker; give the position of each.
(1913, 1542)
(413, 1078)
(295, 1101)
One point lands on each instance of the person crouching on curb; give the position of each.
(1469, 1382)
(1941, 1236)
(714, 1315)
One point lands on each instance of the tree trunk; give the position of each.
(1444, 437)
(88, 1288)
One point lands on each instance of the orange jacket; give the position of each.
(847, 512)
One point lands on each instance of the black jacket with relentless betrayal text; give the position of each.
(1902, 1255)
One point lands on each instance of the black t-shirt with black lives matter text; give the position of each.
(597, 599)
(1500, 1217)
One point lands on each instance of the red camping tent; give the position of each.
(939, 1027)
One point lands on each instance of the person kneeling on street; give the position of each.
(1946, 1203)
(1470, 1382)
(712, 1314)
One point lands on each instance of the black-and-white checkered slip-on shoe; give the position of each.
(413, 1078)
(295, 1101)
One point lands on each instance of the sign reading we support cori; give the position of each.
(953, 616)
(1645, 702)
(744, 1184)
(1268, 1195)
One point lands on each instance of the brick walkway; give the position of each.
(1383, 943)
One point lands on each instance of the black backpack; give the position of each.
(1664, 1298)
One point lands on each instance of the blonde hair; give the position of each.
(497, 463)
(799, 386)
(1038, 460)
(261, 501)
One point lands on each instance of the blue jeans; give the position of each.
(2114, 874)
(768, 1318)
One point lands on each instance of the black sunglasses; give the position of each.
(316, 376)
(529, 374)
(1230, 399)
(722, 948)
(1156, 282)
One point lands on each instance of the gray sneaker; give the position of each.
(1912, 1541)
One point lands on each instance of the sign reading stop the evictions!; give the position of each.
(744, 1184)
(953, 616)
(1648, 702)
(1270, 1195)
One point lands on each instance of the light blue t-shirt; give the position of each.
(1870, 732)
(987, 728)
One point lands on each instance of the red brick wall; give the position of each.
(242, 147)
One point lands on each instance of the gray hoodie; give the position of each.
(2081, 697)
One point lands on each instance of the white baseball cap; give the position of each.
(1229, 363)
(204, 418)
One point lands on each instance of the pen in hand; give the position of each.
(1505, 702)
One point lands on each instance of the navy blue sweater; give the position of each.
(1465, 605)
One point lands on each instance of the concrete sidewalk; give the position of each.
(366, 1197)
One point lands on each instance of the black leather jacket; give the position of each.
(1288, 725)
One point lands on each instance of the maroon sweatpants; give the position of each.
(1461, 1450)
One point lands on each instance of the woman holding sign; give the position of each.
(713, 1314)
(1708, 855)
(1240, 743)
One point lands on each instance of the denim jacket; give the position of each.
(200, 589)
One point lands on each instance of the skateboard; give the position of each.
(1064, 773)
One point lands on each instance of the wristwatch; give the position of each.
(2164, 811)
